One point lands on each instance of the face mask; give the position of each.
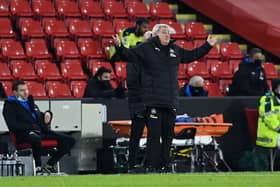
(258, 62)
(106, 83)
(196, 91)
(21, 99)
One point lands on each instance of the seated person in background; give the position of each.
(2, 91)
(30, 125)
(99, 85)
(194, 87)
(269, 118)
(250, 79)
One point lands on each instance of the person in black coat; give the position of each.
(250, 78)
(30, 125)
(160, 58)
(2, 91)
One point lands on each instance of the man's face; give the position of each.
(144, 27)
(257, 56)
(22, 91)
(277, 90)
(200, 83)
(163, 35)
(105, 77)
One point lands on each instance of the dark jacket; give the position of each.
(20, 121)
(2, 91)
(160, 64)
(249, 80)
(191, 91)
(97, 88)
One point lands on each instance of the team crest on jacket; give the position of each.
(172, 53)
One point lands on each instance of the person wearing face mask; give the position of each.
(160, 58)
(250, 78)
(30, 125)
(269, 118)
(99, 85)
(194, 88)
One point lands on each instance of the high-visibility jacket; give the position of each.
(128, 39)
(268, 122)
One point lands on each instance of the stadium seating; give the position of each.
(23, 70)
(37, 49)
(122, 24)
(120, 70)
(91, 9)
(20, 8)
(220, 70)
(6, 29)
(160, 10)
(36, 89)
(198, 68)
(71, 69)
(67, 8)
(7, 85)
(270, 70)
(43, 8)
(213, 89)
(47, 70)
(78, 88)
(230, 51)
(57, 89)
(114, 9)
(182, 72)
(137, 9)
(102, 28)
(180, 32)
(55, 28)
(195, 30)
(66, 49)
(90, 48)
(5, 73)
(4, 8)
(12, 50)
(94, 65)
(79, 28)
(234, 65)
(30, 28)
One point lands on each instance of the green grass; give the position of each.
(255, 179)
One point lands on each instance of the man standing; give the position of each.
(31, 126)
(131, 37)
(160, 58)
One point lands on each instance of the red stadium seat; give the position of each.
(79, 28)
(224, 85)
(23, 70)
(43, 8)
(55, 28)
(137, 9)
(7, 87)
(182, 72)
(270, 70)
(6, 29)
(90, 48)
(67, 8)
(72, 70)
(78, 88)
(220, 70)
(122, 24)
(94, 65)
(120, 70)
(66, 49)
(37, 49)
(114, 9)
(234, 65)
(188, 45)
(195, 30)
(4, 8)
(36, 89)
(181, 83)
(31, 28)
(213, 89)
(13, 50)
(57, 89)
(213, 53)
(106, 43)
(160, 10)
(180, 32)
(103, 28)
(198, 68)
(47, 70)
(230, 51)
(5, 73)
(91, 8)
(20, 8)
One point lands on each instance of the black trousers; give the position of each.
(65, 143)
(137, 128)
(160, 126)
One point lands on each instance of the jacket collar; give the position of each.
(155, 40)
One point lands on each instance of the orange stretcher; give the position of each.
(122, 127)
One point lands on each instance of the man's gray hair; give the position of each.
(194, 80)
(158, 26)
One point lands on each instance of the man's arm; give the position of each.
(195, 54)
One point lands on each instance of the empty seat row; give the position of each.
(86, 8)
